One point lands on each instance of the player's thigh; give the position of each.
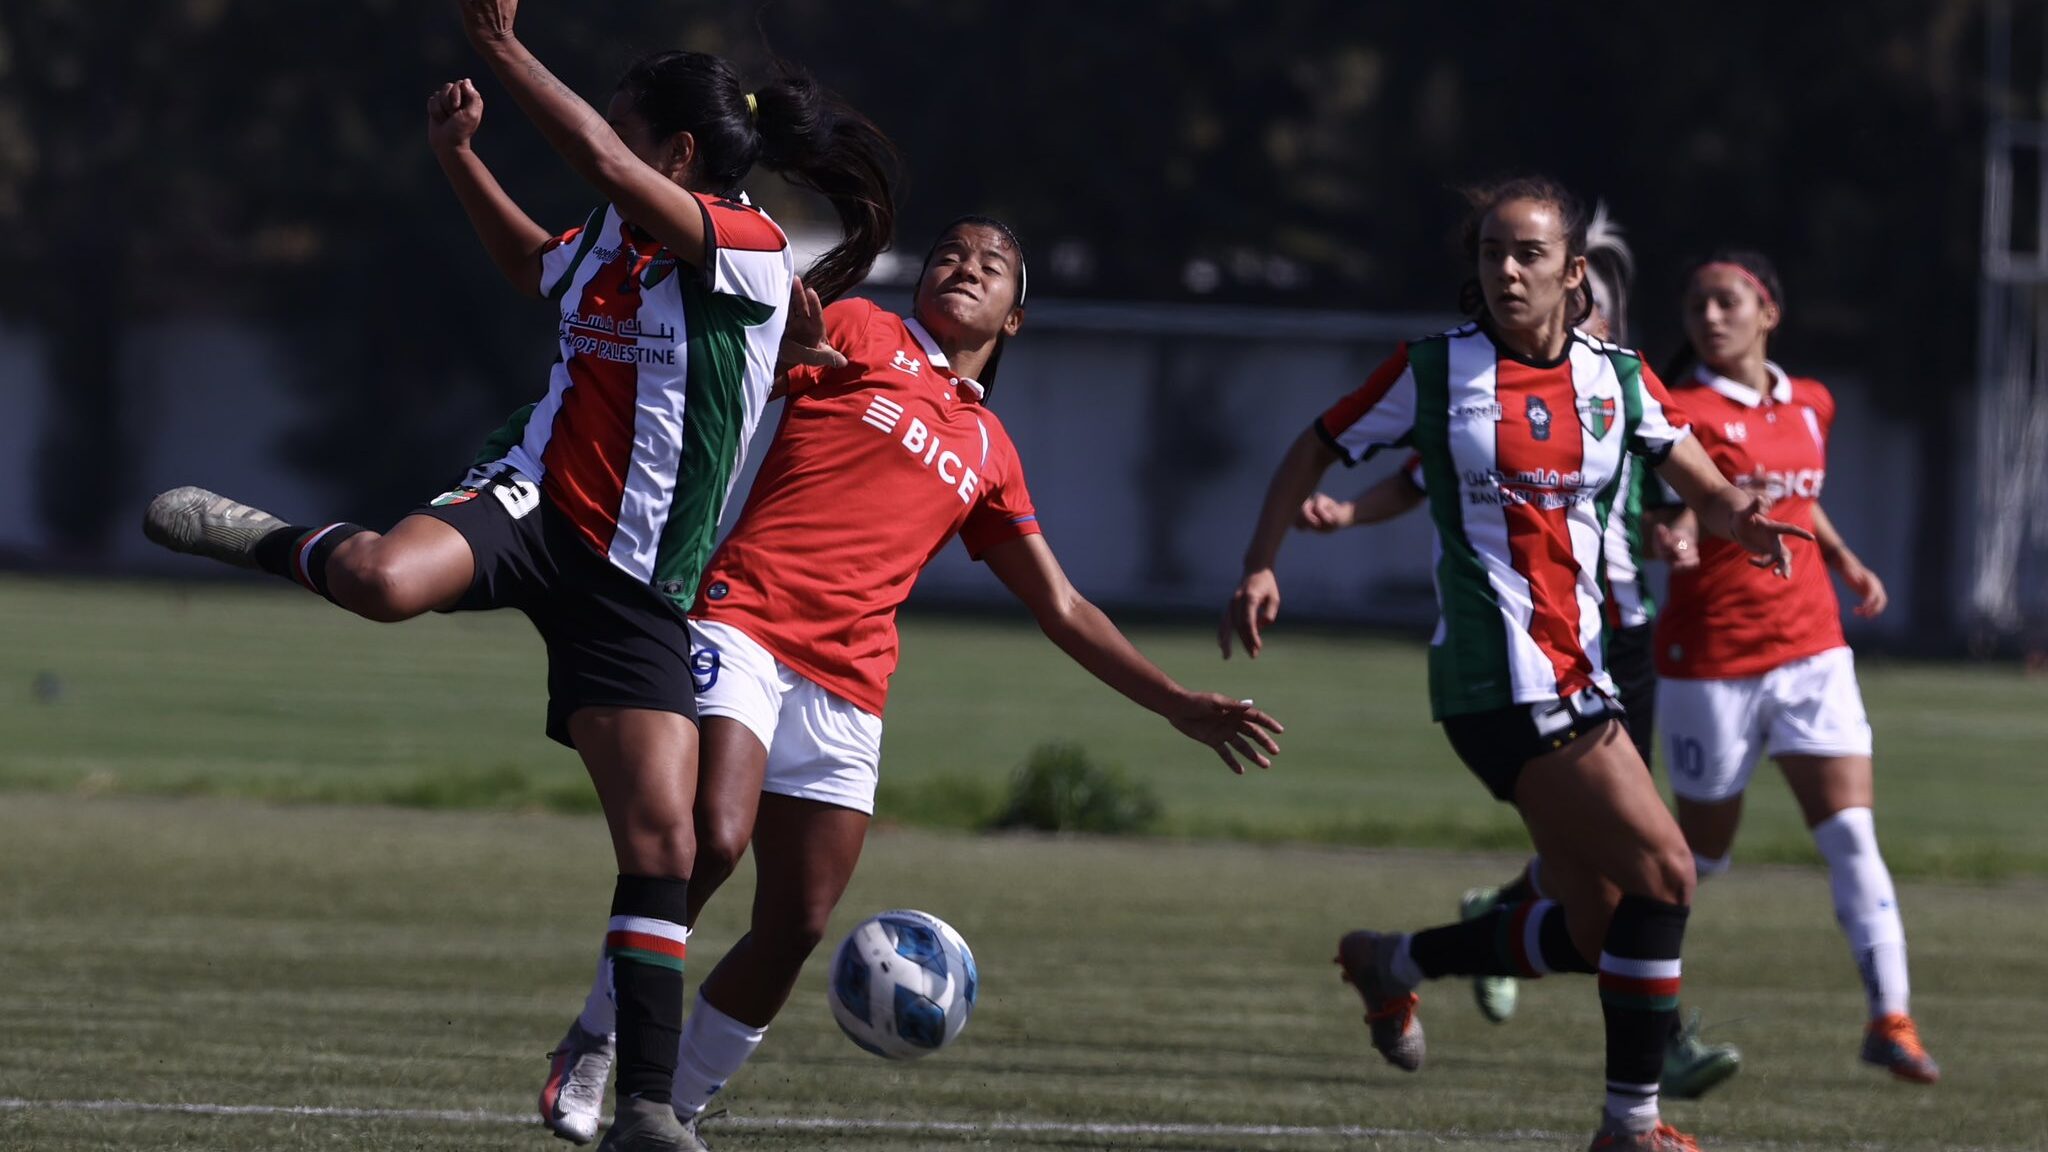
(1590, 806)
(739, 693)
(1712, 731)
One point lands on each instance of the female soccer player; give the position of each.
(1691, 1066)
(1521, 423)
(597, 521)
(795, 634)
(1753, 669)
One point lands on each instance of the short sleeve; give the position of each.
(1822, 403)
(749, 255)
(847, 324)
(1658, 425)
(1002, 511)
(1379, 414)
(563, 254)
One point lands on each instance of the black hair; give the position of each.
(987, 379)
(1760, 269)
(794, 127)
(1482, 200)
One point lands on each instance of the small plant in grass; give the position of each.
(1060, 788)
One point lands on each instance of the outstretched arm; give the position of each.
(581, 136)
(1256, 602)
(1848, 566)
(1232, 727)
(511, 237)
(1726, 510)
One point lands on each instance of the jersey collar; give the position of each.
(1743, 394)
(938, 358)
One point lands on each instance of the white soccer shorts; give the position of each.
(819, 746)
(1715, 730)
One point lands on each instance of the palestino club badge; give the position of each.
(1539, 418)
(1597, 414)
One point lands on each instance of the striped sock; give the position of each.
(645, 944)
(1639, 977)
(300, 554)
(1526, 940)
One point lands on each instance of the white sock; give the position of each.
(713, 1048)
(1867, 906)
(1631, 1109)
(600, 1016)
(1707, 866)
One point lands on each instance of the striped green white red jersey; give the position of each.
(663, 372)
(1522, 464)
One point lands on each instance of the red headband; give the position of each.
(1763, 293)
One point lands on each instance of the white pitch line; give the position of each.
(858, 1124)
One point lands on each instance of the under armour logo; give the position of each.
(904, 363)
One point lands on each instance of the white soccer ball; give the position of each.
(903, 983)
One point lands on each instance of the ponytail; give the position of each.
(816, 140)
(792, 127)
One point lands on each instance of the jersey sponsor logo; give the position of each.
(930, 451)
(1805, 483)
(718, 591)
(1596, 413)
(600, 336)
(1487, 410)
(882, 413)
(1539, 418)
(904, 363)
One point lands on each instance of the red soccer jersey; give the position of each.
(874, 467)
(1727, 619)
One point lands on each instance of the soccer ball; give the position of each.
(903, 983)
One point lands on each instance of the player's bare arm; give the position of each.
(1395, 495)
(1846, 564)
(1256, 603)
(582, 136)
(1726, 510)
(1236, 730)
(509, 235)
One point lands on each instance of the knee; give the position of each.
(719, 848)
(658, 849)
(1673, 875)
(376, 584)
(794, 934)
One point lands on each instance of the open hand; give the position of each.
(803, 336)
(454, 112)
(1236, 730)
(1867, 586)
(1254, 605)
(1764, 538)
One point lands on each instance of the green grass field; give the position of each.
(221, 953)
(187, 963)
(264, 692)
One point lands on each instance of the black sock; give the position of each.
(1639, 978)
(645, 945)
(1520, 890)
(300, 554)
(1527, 940)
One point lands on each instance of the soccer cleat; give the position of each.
(573, 1097)
(1662, 1138)
(201, 523)
(1496, 994)
(644, 1125)
(1692, 1067)
(1367, 959)
(1893, 1043)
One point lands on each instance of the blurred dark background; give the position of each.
(172, 169)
